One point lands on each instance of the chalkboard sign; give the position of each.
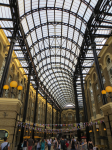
(3, 133)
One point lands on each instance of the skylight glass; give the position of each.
(54, 31)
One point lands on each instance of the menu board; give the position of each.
(3, 133)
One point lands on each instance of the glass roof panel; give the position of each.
(54, 32)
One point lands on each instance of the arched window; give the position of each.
(80, 117)
(97, 86)
(64, 117)
(2, 68)
(101, 112)
(19, 95)
(6, 93)
(111, 71)
(101, 69)
(108, 60)
(13, 70)
(98, 97)
(89, 82)
(39, 108)
(0, 47)
(69, 116)
(94, 77)
(103, 79)
(10, 78)
(18, 77)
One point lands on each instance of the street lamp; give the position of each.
(13, 84)
(5, 87)
(108, 89)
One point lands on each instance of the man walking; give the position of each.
(30, 144)
(62, 143)
(5, 145)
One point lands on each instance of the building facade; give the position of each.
(97, 112)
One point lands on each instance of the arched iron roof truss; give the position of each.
(56, 36)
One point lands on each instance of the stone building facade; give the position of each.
(17, 73)
(95, 108)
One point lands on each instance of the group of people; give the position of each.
(28, 144)
(61, 144)
(74, 144)
(81, 145)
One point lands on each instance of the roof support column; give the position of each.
(93, 46)
(35, 111)
(7, 64)
(84, 103)
(77, 110)
(57, 118)
(52, 119)
(25, 108)
(60, 119)
(45, 119)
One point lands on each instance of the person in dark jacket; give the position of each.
(73, 144)
(25, 144)
(62, 143)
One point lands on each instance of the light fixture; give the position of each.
(19, 88)
(104, 129)
(90, 131)
(5, 87)
(97, 130)
(108, 89)
(103, 92)
(13, 84)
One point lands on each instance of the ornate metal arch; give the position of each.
(54, 23)
(56, 67)
(55, 36)
(52, 47)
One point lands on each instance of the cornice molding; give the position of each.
(10, 101)
(98, 117)
(106, 107)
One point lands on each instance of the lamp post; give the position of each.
(108, 89)
(13, 84)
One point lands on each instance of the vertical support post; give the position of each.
(35, 111)
(45, 119)
(7, 64)
(52, 119)
(93, 46)
(77, 110)
(84, 103)
(90, 113)
(60, 118)
(60, 134)
(25, 109)
(57, 118)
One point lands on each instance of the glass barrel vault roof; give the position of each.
(54, 30)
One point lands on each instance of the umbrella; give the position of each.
(83, 137)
